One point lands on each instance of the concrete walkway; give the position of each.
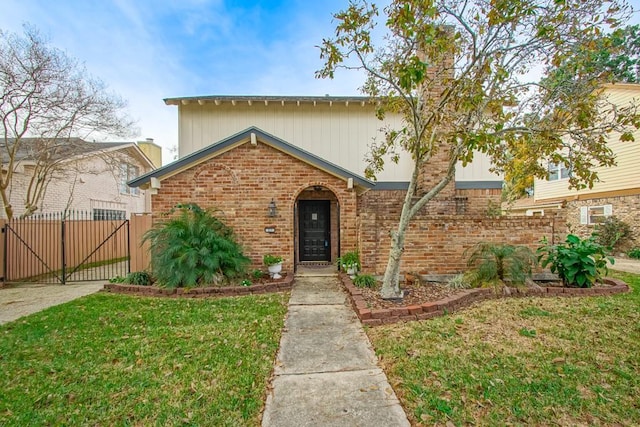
(20, 300)
(326, 372)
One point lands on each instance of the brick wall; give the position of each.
(435, 244)
(625, 208)
(241, 183)
(462, 202)
(478, 201)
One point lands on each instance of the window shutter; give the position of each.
(608, 210)
(584, 215)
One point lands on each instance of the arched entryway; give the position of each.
(317, 226)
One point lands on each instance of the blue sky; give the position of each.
(147, 50)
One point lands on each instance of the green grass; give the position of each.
(120, 360)
(533, 361)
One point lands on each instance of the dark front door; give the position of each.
(314, 230)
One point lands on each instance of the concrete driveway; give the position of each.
(627, 265)
(20, 300)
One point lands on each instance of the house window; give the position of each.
(127, 173)
(557, 171)
(108, 215)
(595, 214)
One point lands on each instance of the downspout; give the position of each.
(338, 209)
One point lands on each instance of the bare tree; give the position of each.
(458, 72)
(51, 98)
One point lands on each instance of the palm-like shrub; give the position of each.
(194, 248)
(493, 263)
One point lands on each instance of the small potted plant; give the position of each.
(350, 263)
(274, 264)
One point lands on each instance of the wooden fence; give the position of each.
(58, 249)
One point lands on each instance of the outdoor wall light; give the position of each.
(273, 210)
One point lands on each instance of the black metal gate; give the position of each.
(66, 247)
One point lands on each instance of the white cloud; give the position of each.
(148, 50)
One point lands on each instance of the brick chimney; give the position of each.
(152, 150)
(440, 74)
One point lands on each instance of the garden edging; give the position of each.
(285, 284)
(464, 298)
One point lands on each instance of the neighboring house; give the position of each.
(87, 176)
(617, 191)
(304, 156)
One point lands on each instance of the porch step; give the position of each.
(316, 270)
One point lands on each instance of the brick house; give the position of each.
(287, 174)
(87, 176)
(617, 191)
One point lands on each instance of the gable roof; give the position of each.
(242, 137)
(30, 149)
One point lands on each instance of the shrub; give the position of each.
(460, 281)
(194, 248)
(140, 278)
(494, 263)
(269, 259)
(349, 260)
(634, 253)
(257, 274)
(611, 232)
(364, 281)
(118, 279)
(579, 263)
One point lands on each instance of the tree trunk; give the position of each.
(8, 209)
(391, 281)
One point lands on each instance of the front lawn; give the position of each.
(535, 361)
(119, 360)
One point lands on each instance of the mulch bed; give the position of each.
(414, 294)
(263, 286)
(432, 299)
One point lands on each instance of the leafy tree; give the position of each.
(459, 74)
(49, 96)
(617, 54)
(193, 248)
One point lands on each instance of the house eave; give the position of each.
(250, 100)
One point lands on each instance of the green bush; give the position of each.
(349, 260)
(270, 260)
(634, 253)
(118, 279)
(579, 263)
(140, 278)
(364, 281)
(493, 263)
(194, 248)
(257, 274)
(611, 232)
